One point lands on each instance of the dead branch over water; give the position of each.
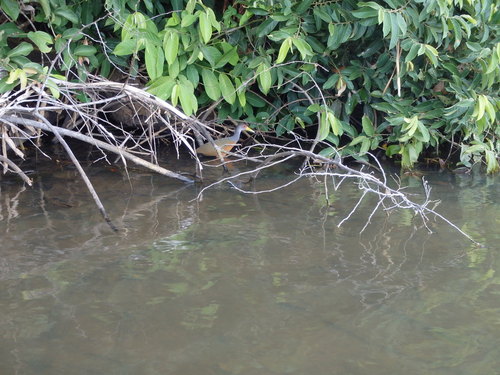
(26, 115)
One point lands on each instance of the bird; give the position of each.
(224, 144)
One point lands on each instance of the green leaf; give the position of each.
(189, 102)
(303, 47)
(303, 6)
(394, 30)
(367, 124)
(192, 75)
(212, 54)
(154, 60)
(41, 39)
(68, 14)
(431, 54)
(314, 108)
(54, 89)
(492, 165)
(335, 124)
(213, 20)
(424, 132)
(22, 49)
(188, 20)
(175, 94)
(285, 47)
(162, 87)
(227, 88)
(413, 52)
(264, 77)
(73, 34)
(11, 7)
(266, 27)
(357, 140)
(84, 50)
(393, 150)
(365, 13)
(245, 17)
(240, 91)
(490, 110)
(386, 25)
(324, 126)
(331, 81)
(205, 27)
(480, 107)
(211, 84)
(127, 47)
(171, 46)
(46, 8)
(174, 69)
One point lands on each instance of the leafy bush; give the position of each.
(401, 76)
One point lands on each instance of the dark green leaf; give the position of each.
(324, 126)
(331, 81)
(394, 30)
(188, 100)
(152, 56)
(266, 27)
(188, 20)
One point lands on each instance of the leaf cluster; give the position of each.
(401, 76)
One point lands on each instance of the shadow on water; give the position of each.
(244, 284)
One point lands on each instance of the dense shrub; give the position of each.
(401, 76)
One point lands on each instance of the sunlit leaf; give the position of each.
(285, 47)
(324, 126)
(303, 47)
(227, 88)
(205, 26)
(127, 47)
(41, 39)
(264, 78)
(171, 46)
(211, 84)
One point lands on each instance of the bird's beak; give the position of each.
(248, 129)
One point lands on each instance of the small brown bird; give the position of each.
(225, 144)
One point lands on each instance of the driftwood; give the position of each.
(24, 114)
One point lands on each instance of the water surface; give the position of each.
(244, 284)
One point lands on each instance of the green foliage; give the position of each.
(397, 75)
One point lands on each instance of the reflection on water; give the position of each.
(244, 284)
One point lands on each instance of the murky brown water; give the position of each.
(244, 284)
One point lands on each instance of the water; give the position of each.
(244, 284)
